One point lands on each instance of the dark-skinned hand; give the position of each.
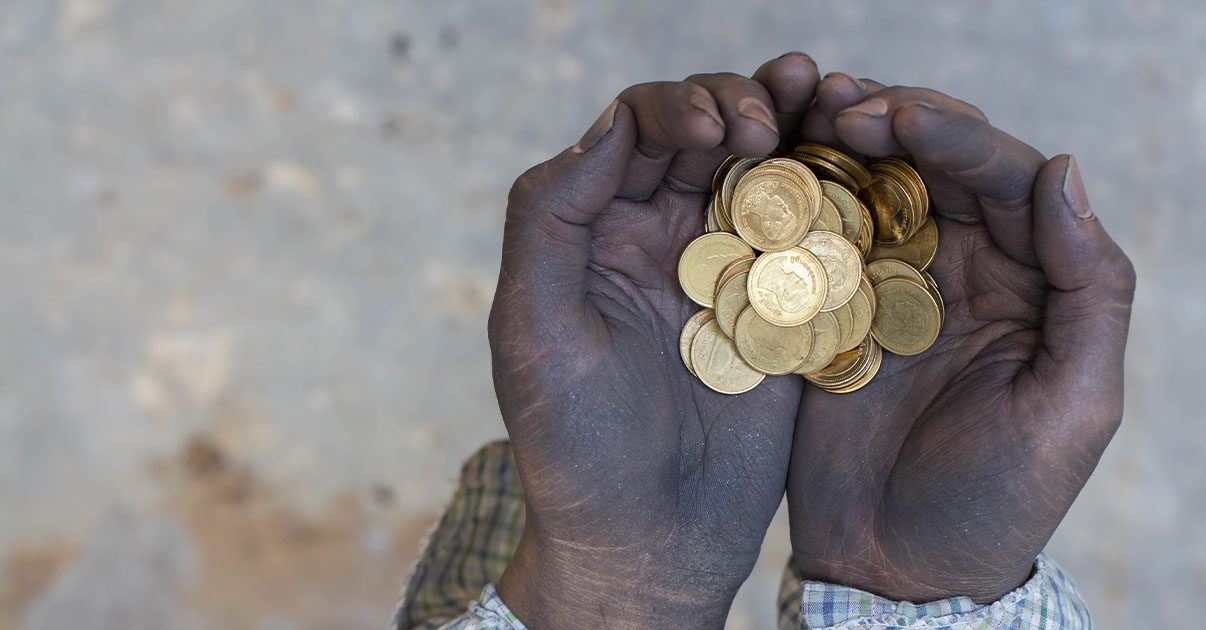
(948, 473)
(648, 495)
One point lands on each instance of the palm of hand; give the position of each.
(641, 437)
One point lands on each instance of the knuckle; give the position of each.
(527, 189)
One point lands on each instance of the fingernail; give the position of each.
(705, 104)
(1074, 191)
(753, 109)
(875, 107)
(842, 75)
(601, 127)
(795, 53)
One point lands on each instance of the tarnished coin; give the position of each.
(918, 251)
(828, 220)
(694, 323)
(717, 363)
(769, 348)
(884, 268)
(787, 288)
(862, 312)
(891, 207)
(825, 337)
(907, 318)
(842, 262)
(848, 207)
(771, 209)
(702, 261)
(731, 299)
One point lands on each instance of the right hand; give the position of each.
(648, 495)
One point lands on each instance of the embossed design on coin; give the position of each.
(825, 336)
(770, 211)
(842, 262)
(717, 363)
(731, 299)
(787, 288)
(769, 348)
(907, 319)
(704, 259)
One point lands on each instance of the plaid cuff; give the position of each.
(1047, 601)
(470, 546)
(488, 613)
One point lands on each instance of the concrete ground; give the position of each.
(247, 251)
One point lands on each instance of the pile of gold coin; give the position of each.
(811, 264)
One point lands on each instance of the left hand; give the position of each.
(948, 473)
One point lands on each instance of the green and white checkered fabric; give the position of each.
(451, 585)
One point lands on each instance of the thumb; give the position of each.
(546, 241)
(1089, 302)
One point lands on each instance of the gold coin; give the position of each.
(884, 268)
(769, 348)
(918, 251)
(710, 223)
(722, 171)
(737, 266)
(891, 207)
(932, 285)
(844, 365)
(787, 288)
(862, 312)
(731, 299)
(874, 359)
(844, 162)
(828, 220)
(848, 207)
(826, 334)
(694, 323)
(826, 170)
(771, 209)
(717, 363)
(704, 259)
(866, 229)
(804, 175)
(907, 318)
(912, 180)
(729, 183)
(843, 265)
(844, 315)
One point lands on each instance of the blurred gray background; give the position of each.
(247, 250)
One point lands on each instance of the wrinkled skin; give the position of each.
(648, 495)
(950, 471)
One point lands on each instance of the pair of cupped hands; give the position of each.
(648, 495)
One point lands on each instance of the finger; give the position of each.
(546, 241)
(836, 92)
(951, 137)
(791, 80)
(748, 112)
(874, 134)
(670, 117)
(1088, 306)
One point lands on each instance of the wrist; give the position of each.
(548, 585)
(917, 584)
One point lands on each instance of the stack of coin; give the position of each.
(812, 264)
